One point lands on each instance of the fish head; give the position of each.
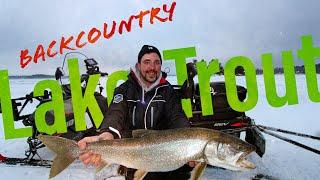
(229, 153)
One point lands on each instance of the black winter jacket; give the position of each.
(133, 108)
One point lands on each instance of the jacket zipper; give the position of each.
(142, 100)
(145, 113)
(151, 117)
(134, 115)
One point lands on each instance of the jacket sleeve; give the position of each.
(175, 114)
(114, 120)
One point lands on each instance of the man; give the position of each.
(145, 101)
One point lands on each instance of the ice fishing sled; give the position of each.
(224, 118)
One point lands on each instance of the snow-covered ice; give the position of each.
(281, 160)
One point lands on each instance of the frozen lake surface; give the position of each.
(281, 160)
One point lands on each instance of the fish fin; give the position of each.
(63, 148)
(198, 171)
(59, 164)
(142, 132)
(139, 174)
(103, 165)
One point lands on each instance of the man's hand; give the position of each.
(90, 158)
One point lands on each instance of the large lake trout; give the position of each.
(156, 151)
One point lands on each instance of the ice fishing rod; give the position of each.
(268, 130)
(271, 129)
(289, 132)
(288, 140)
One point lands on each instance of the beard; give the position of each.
(150, 76)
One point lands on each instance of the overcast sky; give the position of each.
(217, 28)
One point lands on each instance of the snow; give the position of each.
(281, 160)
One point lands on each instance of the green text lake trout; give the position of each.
(156, 151)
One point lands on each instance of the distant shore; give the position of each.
(35, 76)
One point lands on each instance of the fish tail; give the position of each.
(65, 150)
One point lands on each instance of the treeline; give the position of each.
(278, 70)
(35, 76)
(297, 70)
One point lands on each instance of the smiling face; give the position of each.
(150, 68)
